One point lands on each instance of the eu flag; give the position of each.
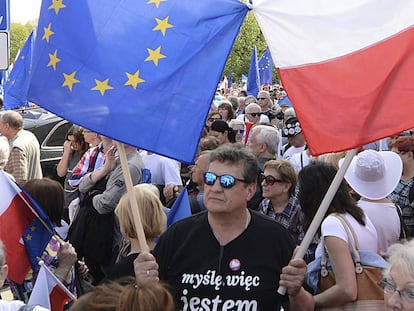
(253, 79)
(180, 209)
(265, 68)
(141, 72)
(17, 83)
(38, 234)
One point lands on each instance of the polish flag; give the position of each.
(15, 217)
(347, 66)
(49, 292)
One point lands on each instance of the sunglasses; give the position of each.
(239, 131)
(226, 181)
(260, 98)
(270, 180)
(254, 114)
(213, 119)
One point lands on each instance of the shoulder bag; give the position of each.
(370, 294)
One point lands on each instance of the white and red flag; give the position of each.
(347, 66)
(15, 217)
(49, 292)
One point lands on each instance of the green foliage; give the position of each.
(18, 36)
(249, 36)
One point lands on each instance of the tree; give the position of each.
(249, 36)
(18, 36)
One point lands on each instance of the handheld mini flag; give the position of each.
(180, 209)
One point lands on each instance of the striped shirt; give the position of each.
(93, 159)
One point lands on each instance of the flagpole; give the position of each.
(317, 220)
(131, 196)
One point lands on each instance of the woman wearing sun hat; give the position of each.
(374, 175)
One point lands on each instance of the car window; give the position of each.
(57, 135)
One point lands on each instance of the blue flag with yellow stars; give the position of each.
(265, 68)
(253, 78)
(141, 72)
(38, 234)
(17, 83)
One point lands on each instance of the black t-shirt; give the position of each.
(124, 267)
(242, 275)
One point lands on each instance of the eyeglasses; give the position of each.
(239, 131)
(213, 119)
(270, 180)
(226, 181)
(406, 294)
(254, 114)
(260, 98)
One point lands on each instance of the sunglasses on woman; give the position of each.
(226, 181)
(213, 119)
(239, 131)
(270, 180)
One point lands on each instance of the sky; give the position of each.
(22, 11)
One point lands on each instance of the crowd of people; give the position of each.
(254, 188)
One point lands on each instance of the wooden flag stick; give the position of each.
(131, 196)
(326, 202)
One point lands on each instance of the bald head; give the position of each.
(13, 119)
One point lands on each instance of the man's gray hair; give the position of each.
(12, 118)
(250, 107)
(268, 135)
(234, 155)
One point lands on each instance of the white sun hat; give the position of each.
(374, 174)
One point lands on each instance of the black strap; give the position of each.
(411, 194)
(403, 226)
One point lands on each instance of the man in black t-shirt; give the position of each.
(228, 258)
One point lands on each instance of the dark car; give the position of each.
(51, 131)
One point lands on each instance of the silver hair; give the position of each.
(12, 118)
(268, 135)
(402, 256)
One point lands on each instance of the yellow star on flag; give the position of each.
(32, 228)
(102, 86)
(53, 60)
(133, 79)
(57, 5)
(162, 25)
(47, 33)
(155, 55)
(70, 80)
(156, 2)
(28, 237)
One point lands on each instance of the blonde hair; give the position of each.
(153, 218)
